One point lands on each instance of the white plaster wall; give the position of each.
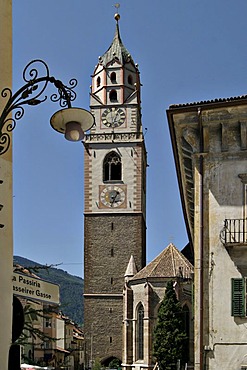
(128, 171)
(60, 333)
(115, 67)
(100, 92)
(225, 200)
(129, 125)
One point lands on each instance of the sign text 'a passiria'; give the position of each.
(27, 286)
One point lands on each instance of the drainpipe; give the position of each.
(201, 235)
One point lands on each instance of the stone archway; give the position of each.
(111, 362)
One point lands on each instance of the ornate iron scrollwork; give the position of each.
(31, 94)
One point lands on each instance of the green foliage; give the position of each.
(71, 287)
(114, 364)
(170, 339)
(97, 364)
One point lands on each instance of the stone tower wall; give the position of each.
(110, 241)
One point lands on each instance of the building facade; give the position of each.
(114, 198)
(49, 338)
(6, 191)
(209, 143)
(143, 294)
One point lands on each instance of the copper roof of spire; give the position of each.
(117, 50)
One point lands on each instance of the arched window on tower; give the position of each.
(130, 80)
(113, 78)
(113, 96)
(98, 81)
(112, 167)
(140, 332)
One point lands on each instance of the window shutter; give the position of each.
(238, 297)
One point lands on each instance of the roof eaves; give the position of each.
(217, 101)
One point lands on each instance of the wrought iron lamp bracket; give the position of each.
(31, 94)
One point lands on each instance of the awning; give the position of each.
(59, 349)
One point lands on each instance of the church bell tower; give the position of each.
(114, 199)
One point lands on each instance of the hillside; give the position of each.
(71, 288)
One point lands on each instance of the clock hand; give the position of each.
(113, 198)
(116, 117)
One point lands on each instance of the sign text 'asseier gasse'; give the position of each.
(30, 287)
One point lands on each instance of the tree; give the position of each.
(97, 364)
(114, 364)
(170, 339)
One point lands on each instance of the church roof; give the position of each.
(169, 263)
(117, 51)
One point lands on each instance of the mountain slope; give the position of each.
(71, 288)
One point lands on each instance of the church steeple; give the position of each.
(115, 199)
(115, 84)
(117, 50)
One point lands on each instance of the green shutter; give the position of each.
(238, 297)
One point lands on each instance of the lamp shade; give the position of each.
(72, 122)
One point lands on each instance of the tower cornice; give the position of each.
(114, 137)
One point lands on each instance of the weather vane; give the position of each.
(117, 6)
(117, 15)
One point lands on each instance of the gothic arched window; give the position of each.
(140, 332)
(113, 78)
(186, 319)
(186, 314)
(112, 167)
(113, 96)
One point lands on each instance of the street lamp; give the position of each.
(72, 122)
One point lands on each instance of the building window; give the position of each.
(48, 322)
(47, 345)
(113, 96)
(98, 81)
(130, 80)
(140, 332)
(112, 167)
(186, 319)
(239, 297)
(113, 78)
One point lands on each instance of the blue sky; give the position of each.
(187, 50)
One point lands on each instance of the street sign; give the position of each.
(29, 287)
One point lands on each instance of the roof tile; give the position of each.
(169, 263)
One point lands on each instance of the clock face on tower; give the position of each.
(113, 117)
(112, 196)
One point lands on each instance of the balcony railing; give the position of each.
(234, 231)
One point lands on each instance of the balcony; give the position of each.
(234, 232)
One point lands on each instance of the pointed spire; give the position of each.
(117, 50)
(131, 269)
